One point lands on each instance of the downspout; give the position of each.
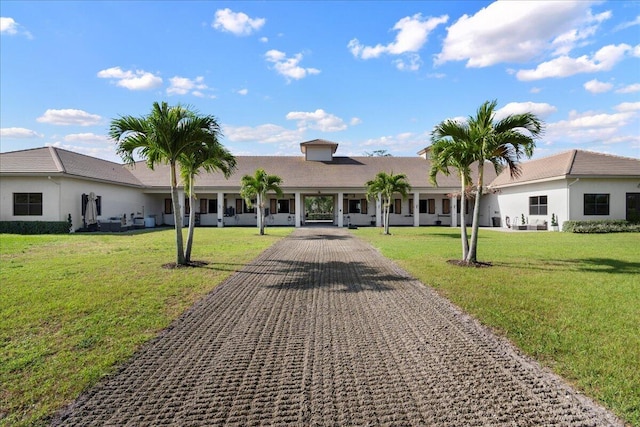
(569, 199)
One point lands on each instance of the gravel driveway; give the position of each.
(321, 330)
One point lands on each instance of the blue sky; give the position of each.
(367, 75)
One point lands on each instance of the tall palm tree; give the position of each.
(449, 153)
(503, 143)
(384, 186)
(210, 156)
(162, 136)
(257, 186)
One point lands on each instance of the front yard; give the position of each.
(572, 301)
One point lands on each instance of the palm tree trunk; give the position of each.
(177, 216)
(473, 247)
(387, 211)
(192, 222)
(463, 224)
(260, 216)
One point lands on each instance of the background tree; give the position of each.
(384, 186)
(503, 143)
(449, 153)
(257, 186)
(378, 153)
(210, 156)
(162, 136)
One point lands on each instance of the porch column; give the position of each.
(298, 209)
(416, 209)
(454, 211)
(221, 208)
(379, 211)
(340, 209)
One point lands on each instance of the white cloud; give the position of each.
(540, 109)
(132, 80)
(413, 32)
(89, 138)
(243, 91)
(317, 120)
(593, 126)
(19, 133)
(628, 106)
(263, 134)
(10, 27)
(563, 66)
(355, 121)
(596, 86)
(510, 31)
(289, 67)
(535, 90)
(629, 88)
(237, 23)
(264, 39)
(627, 24)
(183, 85)
(69, 117)
(404, 141)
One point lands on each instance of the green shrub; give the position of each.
(600, 226)
(34, 227)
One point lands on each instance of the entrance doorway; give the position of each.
(633, 207)
(318, 209)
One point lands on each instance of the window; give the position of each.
(538, 205)
(431, 208)
(168, 206)
(410, 206)
(283, 206)
(466, 206)
(213, 206)
(596, 204)
(292, 206)
(398, 206)
(354, 206)
(446, 206)
(241, 206)
(27, 204)
(422, 206)
(203, 206)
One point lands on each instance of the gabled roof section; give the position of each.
(53, 160)
(572, 164)
(318, 143)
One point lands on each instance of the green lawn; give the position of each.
(74, 306)
(572, 301)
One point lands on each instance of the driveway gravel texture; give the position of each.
(322, 330)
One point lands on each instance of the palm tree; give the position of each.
(257, 186)
(447, 153)
(384, 186)
(503, 143)
(162, 136)
(210, 156)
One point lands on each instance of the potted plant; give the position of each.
(523, 222)
(554, 222)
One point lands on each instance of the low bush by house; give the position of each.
(600, 226)
(34, 227)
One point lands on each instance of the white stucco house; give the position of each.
(49, 184)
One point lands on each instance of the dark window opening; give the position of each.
(27, 204)
(538, 205)
(596, 204)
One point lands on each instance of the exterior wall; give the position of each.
(616, 188)
(62, 196)
(318, 154)
(51, 201)
(513, 202)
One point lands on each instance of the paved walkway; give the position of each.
(321, 330)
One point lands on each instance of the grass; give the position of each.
(571, 301)
(73, 307)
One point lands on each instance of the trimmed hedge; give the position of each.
(601, 226)
(34, 227)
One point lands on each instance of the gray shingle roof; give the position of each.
(296, 173)
(573, 163)
(53, 160)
